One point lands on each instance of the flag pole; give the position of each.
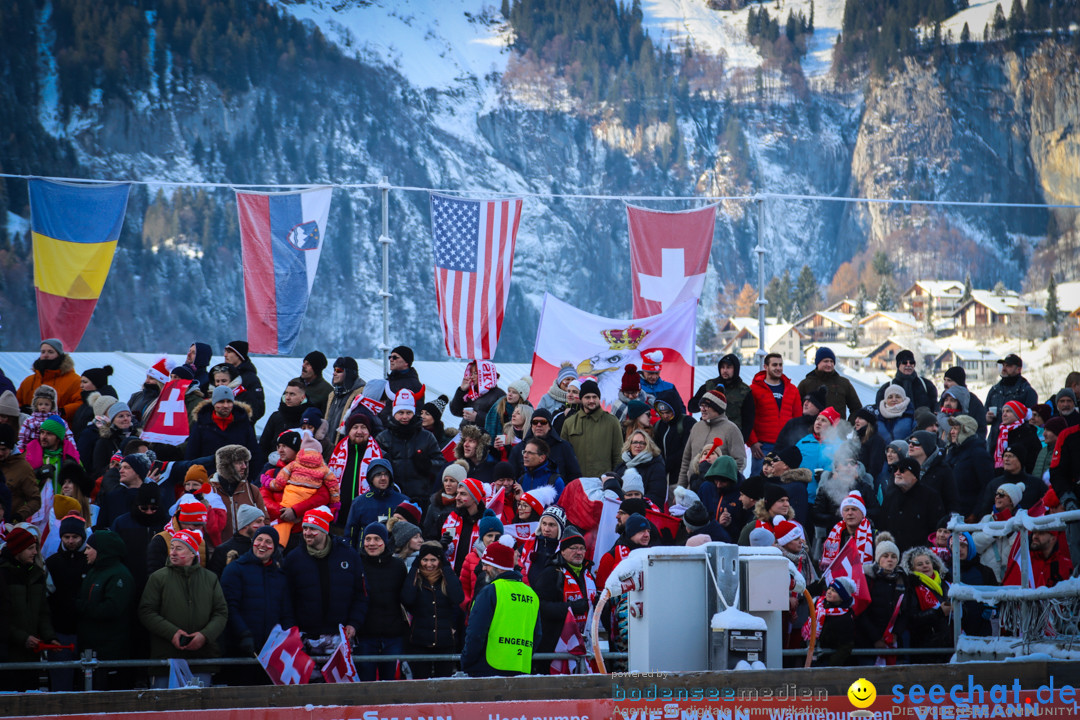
(761, 302)
(384, 240)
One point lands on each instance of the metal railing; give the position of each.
(89, 663)
(1023, 524)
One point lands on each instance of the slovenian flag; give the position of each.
(75, 229)
(282, 236)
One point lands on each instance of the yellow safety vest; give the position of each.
(510, 639)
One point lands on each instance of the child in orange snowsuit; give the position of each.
(303, 478)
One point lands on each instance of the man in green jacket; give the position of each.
(183, 607)
(28, 621)
(839, 392)
(104, 604)
(594, 433)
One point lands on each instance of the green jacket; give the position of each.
(28, 608)
(106, 600)
(597, 441)
(839, 392)
(183, 598)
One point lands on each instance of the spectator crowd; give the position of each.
(422, 525)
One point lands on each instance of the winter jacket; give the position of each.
(415, 455)
(63, 379)
(1034, 489)
(560, 452)
(438, 508)
(597, 440)
(872, 453)
(740, 408)
(972, 468)
(227, 553)
(653, 475)
(664, 390)
(702, 435)
(885, 591)
(106, 601)
(935, 473)
(539, 477)
(116, 502)
(111, 439)
(66, 570)
(768, 418)
(250, 390)
(671, 438)
(25, 494)
(474, 654)
(207, 438)
(318, 393)
(434, 611)
(553, 606)
(187, 598)
(136, 529)
(338, 404)
(35, 454)
(826, 512)
(921, 391)
(839, 392)
(258, 597)
(326, 591)
(84, 416)
(1024, 441)
(482, 405)
(234, 492)
(141, 400)
(911, 516)
(27, 610)
(1007, 390)
(282, 419)
(897, 428)
(374, 505)
(384, 576)
(794, 430)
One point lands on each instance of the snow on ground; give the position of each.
(978, 14)
(725, 30)
(433, 43)
(17, 225)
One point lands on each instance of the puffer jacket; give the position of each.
(415, 455)
(768, 418)
(106, 600)
(327, 591)
(434, 609)
(258, 598)
(27, 608)
(384, 575)
(206, 437)
(64, 380)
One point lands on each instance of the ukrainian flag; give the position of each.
(75, 229)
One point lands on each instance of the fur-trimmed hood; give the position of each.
(762, 513)
(475, 433)
(909, 558)
(803, 475)
(207, 404)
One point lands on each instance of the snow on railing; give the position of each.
(1037, 618)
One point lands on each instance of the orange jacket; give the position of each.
(65, 381)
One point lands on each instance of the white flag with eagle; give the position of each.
(602, 347)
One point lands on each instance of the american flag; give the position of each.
(473, 241)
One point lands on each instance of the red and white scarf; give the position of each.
(340, 457)
(864, 541)
(1003, 441)
(820, 611)
(486, 378)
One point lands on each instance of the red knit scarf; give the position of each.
(864, 541)
(1003, 441)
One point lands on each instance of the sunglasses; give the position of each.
(908, 362)
(539, 422)
(395, 357)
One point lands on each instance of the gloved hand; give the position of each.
(579, 607)
(446, 539)
(421, 463)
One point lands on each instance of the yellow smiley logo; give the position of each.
(862, 693)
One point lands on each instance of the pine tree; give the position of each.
(929, 318)
(965, 37)
(505, 9)
(882, 265)
(860, 302)
(806, 290)
(967, 289)
(1017, 19)
(1053, 312)
(999, 21)
(706, 336)
(884, 297)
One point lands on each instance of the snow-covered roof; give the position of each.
(1006, 304)
(838, 318)
(971, 354)
(915, 343)
(840, 350)
(939, 288)
(900, 318)
(774, 333)
(869, 305)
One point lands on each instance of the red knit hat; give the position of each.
(1018, 408)
(18, 540)
(831, 415)
(1050, 499)
(785, 530)
(652, 361)
(191, 510)
(319, 518)
(191, 538)
(630, 379)
(476, 489)
(499, 556)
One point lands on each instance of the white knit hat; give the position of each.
(404, 400)
(631, 481)
(855, 500)
(1015, 491)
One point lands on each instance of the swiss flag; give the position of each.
(848, 563)
(570, 641)
(340, 668)
(284, 659)
(669, 253)
(168, 423)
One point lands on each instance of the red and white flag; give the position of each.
(570, 641)
(602, 347)
(473, 242)
(168, 423)
(449, 450)
(669, 253)
(339, 668)
(284, 659)
(848, 563)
